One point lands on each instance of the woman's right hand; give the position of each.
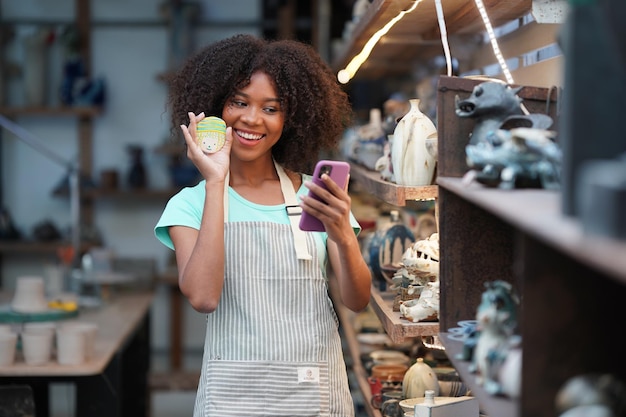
(213, 167)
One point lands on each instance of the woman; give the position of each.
(272, 344)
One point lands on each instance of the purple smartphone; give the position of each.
(338, 171)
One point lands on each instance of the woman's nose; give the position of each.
(251, 115)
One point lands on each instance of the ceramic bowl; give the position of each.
(393, 372)
(408, 405)
(389, 357)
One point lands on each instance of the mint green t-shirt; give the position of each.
(185, 209)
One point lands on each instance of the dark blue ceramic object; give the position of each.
(382, 248)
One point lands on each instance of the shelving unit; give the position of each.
(575, 283)
(572, 281)
(396, 327)
(571, 284)
(84, 128)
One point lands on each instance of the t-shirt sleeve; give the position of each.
(183, 209)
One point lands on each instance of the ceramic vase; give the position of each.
(411, 161)
(418, 379)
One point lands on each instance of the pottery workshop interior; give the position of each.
(479, 271)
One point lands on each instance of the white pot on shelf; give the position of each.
(411, 161)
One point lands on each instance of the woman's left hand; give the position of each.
(344, 252)
(334, 209)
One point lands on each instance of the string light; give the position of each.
(346, 74)
(444, 36)
(350, 70)
(494, 42)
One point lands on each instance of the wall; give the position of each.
(129, 50)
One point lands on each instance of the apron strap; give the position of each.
(293, 212)
(291, 206)
(226, 182)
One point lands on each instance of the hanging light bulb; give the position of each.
(350, 70)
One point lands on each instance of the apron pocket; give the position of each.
(252, 388)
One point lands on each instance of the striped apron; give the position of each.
(272, 346)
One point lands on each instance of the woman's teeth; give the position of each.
(249, 136)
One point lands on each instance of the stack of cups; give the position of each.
(8, 343)
(76, 342)
(37, 342)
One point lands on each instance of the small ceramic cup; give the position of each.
(8, 343)
(71, 344)
(90, 330)
(37, 346)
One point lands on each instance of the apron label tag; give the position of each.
(308, 374)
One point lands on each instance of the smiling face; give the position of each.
(256, 116)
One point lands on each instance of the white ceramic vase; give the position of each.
(411, 161)
(418, 379)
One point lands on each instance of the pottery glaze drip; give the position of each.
(411, 162)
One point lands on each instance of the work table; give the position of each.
(114, 382)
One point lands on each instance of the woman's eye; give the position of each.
(271, 110)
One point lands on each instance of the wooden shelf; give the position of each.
(416, 36)
(389, 192)
(126, 194)
(537, 212)
(80, 111)
(135, 195)
(397, 327)
(28, 247)
(491, 405)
